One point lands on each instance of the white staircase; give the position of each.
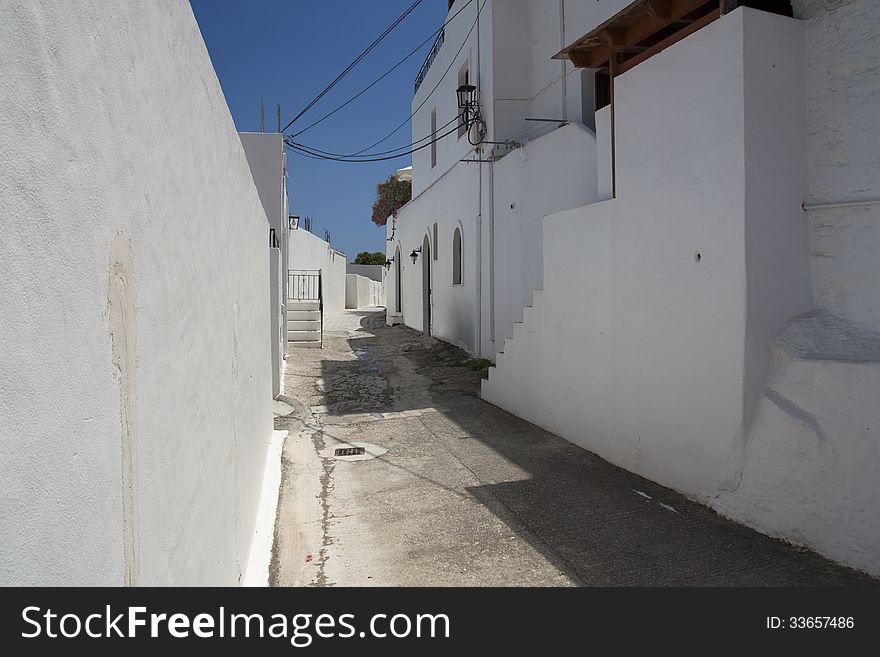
(304, 326)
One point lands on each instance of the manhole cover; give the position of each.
(349, 451)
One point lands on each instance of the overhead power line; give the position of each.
(303, 150)
(368, 156)
(430, 93)
(393, 150)
(357, 60)
(433, 35)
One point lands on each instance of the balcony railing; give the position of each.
(432, 55)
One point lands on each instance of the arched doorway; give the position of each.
(398, 280)
(426, 286)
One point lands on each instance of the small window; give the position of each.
(433, 137)
(463, 78)
(456, 257)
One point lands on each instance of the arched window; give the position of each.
(456, 257)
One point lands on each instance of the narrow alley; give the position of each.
(452, 491)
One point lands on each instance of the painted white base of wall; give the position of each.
(256, 571)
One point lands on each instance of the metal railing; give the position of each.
(303, 285)
(307, 285)
(432, 55)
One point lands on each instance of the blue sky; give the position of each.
(286, 52)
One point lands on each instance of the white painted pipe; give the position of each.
(848, 204)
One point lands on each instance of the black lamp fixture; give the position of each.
(388, 262)
(415, 254)
(467, 95)
(469, 105)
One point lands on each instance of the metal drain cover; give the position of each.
(352, 451)
(349, 451)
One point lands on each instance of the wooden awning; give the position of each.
(639, 31)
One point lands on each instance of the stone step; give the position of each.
(303, 305)
(303, 336)
(303, 324)
(304, 315)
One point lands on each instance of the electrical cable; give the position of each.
(430, 93)
(307, 151)
(385, 74)
(399, 148)
(357, 60)
(300, 150)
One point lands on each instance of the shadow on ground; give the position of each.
(597, 524)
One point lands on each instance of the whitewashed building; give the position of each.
(268, 163)
(136, 387)
(682, 275)
(365, 286)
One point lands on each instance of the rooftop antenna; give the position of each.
(279, 117)
(262, 116)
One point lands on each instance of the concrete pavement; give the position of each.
(453, 491)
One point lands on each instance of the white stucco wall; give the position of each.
(437, 92)
(309, 252)
(135, 402)
(662, 335)
(657, 386)
(277, 323)
(683, 281)
(843, 147)
(776, 237)
(808, 468)
(363, 292)
(375, 288)
(583, 17)
(450, 202)
(605, 181)
(526, 81)
(374, 272)
(552, 173)
(268, 165)
(517, 77)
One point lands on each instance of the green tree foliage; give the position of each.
(391, 195)
(367, 258)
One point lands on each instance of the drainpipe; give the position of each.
(562, 61)
(492, 257)
(479, 228)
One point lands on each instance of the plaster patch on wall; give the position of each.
(122, 327)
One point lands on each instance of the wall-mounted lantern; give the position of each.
(388, 263)
(467, 94)
(469, 105)
(415, 254)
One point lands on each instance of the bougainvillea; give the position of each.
(391, 195)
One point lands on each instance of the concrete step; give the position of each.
(304, 345)
(303, 324)
(303, 305)
(306, 315)
(303, 336)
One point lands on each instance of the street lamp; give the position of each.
(466, 95)
(470, 111)
(415, 254)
